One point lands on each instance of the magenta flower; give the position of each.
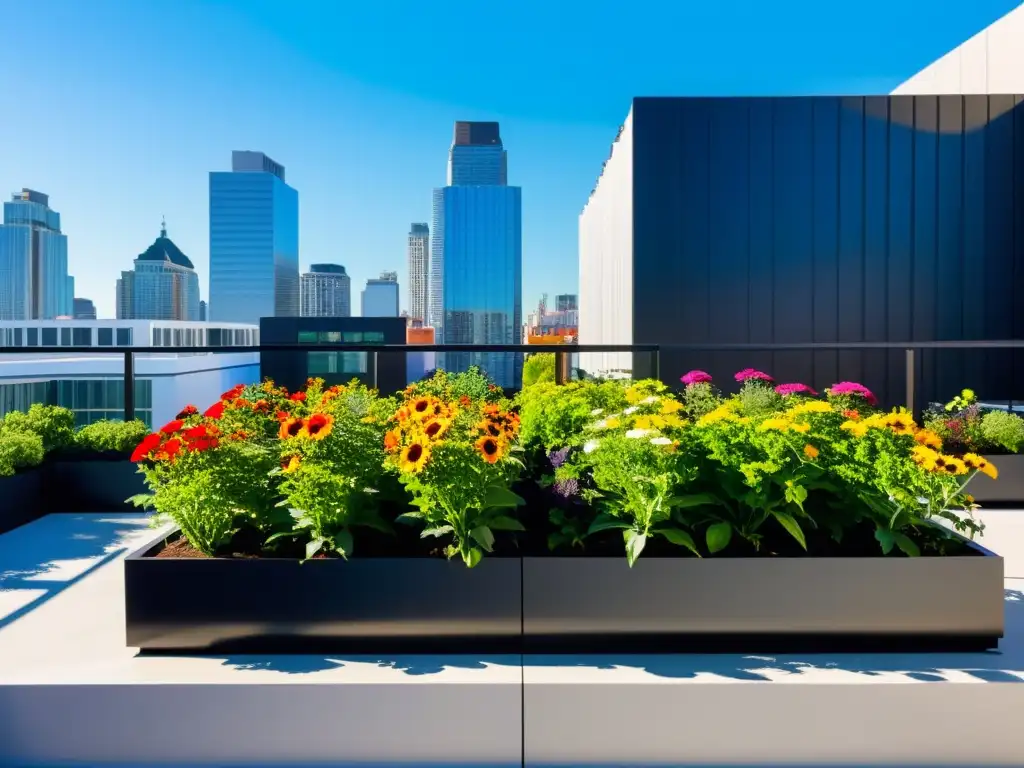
(853, 388)
(795, 389)
(696, 377)
(748, 374)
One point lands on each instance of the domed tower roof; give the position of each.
(164, 249)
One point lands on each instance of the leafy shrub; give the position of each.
(109, 435)
(554, 416)
(55, 425)
(1003, 429)
(19, 450)
(472, 384)
(539, 369)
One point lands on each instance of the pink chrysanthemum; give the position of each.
(795, 389)
(751, 374)
(853, 388)
(696, 377)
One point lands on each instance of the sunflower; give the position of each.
(436, 427)
(391, 440)
(491, 428)
(490, 448)
(925, 457)
(414, 457)
(988, 468)
(900, 423)
(810, 451)
(290, 464)
(855, 428)
(290, 428)
(423, 407)
(928, 438)
(954, 466)
(318, 426)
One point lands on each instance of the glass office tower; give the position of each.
(477, 255)
(34, 280)
(254, 241)
(380, 296)
(163, 285)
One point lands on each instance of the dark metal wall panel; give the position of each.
(832, 219)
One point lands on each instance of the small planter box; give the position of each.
(595, 605)
(92, 485)
(21, 498)
(1008, 488)
(372, 605)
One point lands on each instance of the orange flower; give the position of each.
(318, 426)
(464, 401)
(238, 435)
(852, 415)
(290, 428)
(490, 449)
(242, 403)
(261, 406)
(492, 428)
(391, 441)
(810, 451)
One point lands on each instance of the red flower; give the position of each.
(464, 401)
(196, 432)
(298, 397)
(215, 411)
(146, 447)
(172, 447)
(172, 426)
(234, 392)
(188, 410)
(282, 415)
(261, 406)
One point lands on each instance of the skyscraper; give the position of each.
(254, 241)
(163, 284)
(326, 291)
(477, 255)
(34, 280)
(380, 297)
(84, 309)
(565, 302)
(419, 271)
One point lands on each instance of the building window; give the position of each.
(33, 336)
(124, 337)
(17, 337)
(104, 337)
(81, 337)
(65, 337)
(49, 337)
(308, 337)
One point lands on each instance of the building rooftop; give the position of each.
(164, 249)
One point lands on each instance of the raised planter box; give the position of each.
(595, 605)
(21, 498)
(1008, 488)
(92, 485)
(371, 605)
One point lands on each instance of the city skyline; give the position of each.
(86, 105)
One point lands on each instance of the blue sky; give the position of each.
(118, 108)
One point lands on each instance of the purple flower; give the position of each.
(696, 377)
(567, 489)
(558, 458)
(751, 374)
(795, 389)
(853, 388)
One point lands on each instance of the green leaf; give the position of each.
(343, 542)
(678, 537)
(484, 537)
(718, 536)
(409, 518)
(689, 500)
(314, 546)
(906, 544)
(144, 500)
(634, 545)
(788, 522)
(796, 494)
(555, 540)
(500, 496)
(505, 523)
(607, 522)
(886, 539)
(440, 530)
(281, 535)
(472, 557)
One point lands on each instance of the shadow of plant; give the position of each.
(410, 665)
(42, 559)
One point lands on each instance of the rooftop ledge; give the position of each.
(71, 692)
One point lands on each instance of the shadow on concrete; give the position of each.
(411, 664)
(40, 560)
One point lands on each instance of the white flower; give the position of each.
(590, 446)
(631, 409)
(649, 400)
(597, 412)
(661, 441)
(602, 424)
(638, 433)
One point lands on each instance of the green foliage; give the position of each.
(700, 399)
(554, 416)
(539, 369)
(759, 400)
(19, 450)
(472, 384)
(1003, 429)
(110, 435)
(55, 425)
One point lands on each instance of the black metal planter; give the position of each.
(92, 485)
(1007, 489)
(372, 605)
(21, 498)
(596, 605)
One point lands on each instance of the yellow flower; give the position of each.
(723, 412)
(292, 465)
(988, 468)
(928, 438)
(875, 422)
(925, 457)
(954, 466)
(810, 451)
(613, 423)
(855, 428)
(800, 427)
(900, 423)
(414, 457)
(649, 422)
(811, 406)
(780, 425)
(670, 406)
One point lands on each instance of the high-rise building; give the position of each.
(477, 255)
(34, 280)
(380, 296)
(84, 309)
(564, 302)
(202, 311)
(419, 271)
(254, 241)
(162, 285)
(326, 291)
